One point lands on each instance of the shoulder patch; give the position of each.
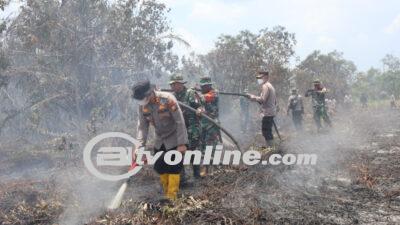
(168, 103)
(164, 101)
(172, 105)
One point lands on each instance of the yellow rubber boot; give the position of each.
(173, 186)
(203, 171)
(164, 182)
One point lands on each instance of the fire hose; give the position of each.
(183, 105)
(212, 121)
(116, 202)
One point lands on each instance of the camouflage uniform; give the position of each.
(319, 107)
(190, 97)
(211, 134)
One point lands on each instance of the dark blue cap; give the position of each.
(142, 89)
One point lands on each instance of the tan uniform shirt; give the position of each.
(165, 115)
(267, 100)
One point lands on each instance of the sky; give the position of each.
(364, 30)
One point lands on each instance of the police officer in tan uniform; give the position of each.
(161, 110)
(268, 108)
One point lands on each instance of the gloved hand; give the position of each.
(199, 111)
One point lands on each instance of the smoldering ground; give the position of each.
(351, 182)
(66, 68)
(341, 189)
(43, 160)
(347, 186)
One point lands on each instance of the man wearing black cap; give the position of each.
(267, 101)
(162, 111)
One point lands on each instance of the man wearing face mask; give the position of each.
(267, 101)
(161, 110)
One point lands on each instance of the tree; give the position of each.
(368, 83)
(332, 69)
(235, 60)
(72, 61)
(191, 67)
(3, 3)
(391, 75)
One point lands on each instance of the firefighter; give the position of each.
(268, 107)
(211, 134)
(190, 97)
(318, 102)
(161, 110)
(296, 105)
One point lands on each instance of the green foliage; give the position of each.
(379, 84)
(3, 4)
(87, 52)
(335, 72)
(234, 61)
(75, 58)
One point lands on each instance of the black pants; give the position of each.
(297, 117)
(161, 167)
(320, 112)
(266, 127)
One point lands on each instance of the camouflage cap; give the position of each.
(205, 81)
(176, 78)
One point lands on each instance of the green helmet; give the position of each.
(205, 81)
(176, 78)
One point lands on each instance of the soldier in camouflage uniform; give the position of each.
(318, 101)
(211, 134)
(190, 97)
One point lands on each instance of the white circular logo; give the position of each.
(122, 154)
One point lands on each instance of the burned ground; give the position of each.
(356, 181)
